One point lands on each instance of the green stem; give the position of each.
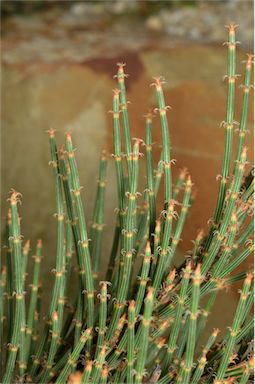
(228, 125)
(98, 365)
(3, 275)
(130, 341)
(55, 336)
(33, 299)
(177, 319)
(238, 319)
(202, 359)
(165, 141)
(129, 230)
(60, 252)
(221, 233)
(114, 250)
(143, 279)
(72, 360)
(123, 105)
(86, 268)
(10, 274)
(245, 106)
(98, 217)
(181, 219)
(141, 355)
(158, 174)
(87, 372)
(19, 315)
(102, 317)
(179, 183)
(185, 370)
(247, 371)
(78, 314)
(149, 171)
(165, 250)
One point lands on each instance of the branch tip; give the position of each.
(231, 27)
(15, 197)
(68, 136)
(51, 133)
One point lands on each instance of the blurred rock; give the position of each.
(88, 30)
(205, 22)
(154, 23)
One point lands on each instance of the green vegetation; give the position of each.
(149, 331)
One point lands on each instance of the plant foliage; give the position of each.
(114, 331)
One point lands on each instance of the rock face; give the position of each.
(68, 87)
(66, 98)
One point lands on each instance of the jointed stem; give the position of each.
(19, 315)
(86, 268)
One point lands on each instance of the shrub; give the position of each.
(150, 331)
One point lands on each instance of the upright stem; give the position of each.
(102, 317)
(72, 360)
(123, 105)
(98, 217)
(130, 341)
(33, 298)
(149, 171)
(19, 315)
(185, 370)
(228, 124)
(129, 232)
(141, 356)
(238, 319)
(175, 329)
(166, 157)
(86, 268)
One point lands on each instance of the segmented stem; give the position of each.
(182, 217)
(98, 217)
(245, 106)
(86, 268)
(123, 105)
(87, 372)
(102, 317)
(202, 359)
(144, 340)
(3, 276)
(229, 123)
(238, 319)
(143, 279)
(149, 171)
(19, 315)
(130, 341)
(72, 360)
(220, 234)
(166, 158)
(165, 252)
(175, 329)
(185, 370)
(33, 298)
(98, 365)
(247, 371)
(128, 231)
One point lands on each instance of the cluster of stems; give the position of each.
(140, 319)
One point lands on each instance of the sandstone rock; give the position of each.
(154, 23)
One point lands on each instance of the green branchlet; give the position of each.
(145, 322)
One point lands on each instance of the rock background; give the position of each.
(57, 71)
